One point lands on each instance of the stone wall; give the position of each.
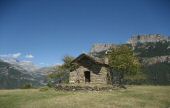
(77, 76)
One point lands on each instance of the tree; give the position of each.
(124, 61)
(61, 73)
(68, 65)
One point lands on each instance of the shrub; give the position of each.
(27, 86)
(43, 89)
(49, 84)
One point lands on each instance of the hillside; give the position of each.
(155, 56)
(14, 76)
(153, 50)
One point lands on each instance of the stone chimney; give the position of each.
(106, 60)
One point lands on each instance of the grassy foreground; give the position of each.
(133, 97)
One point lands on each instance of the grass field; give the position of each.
(133, 97)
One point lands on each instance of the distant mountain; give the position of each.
(27, 65)
(148, 38)
(46, 70)
(134, 41)
(15, 74)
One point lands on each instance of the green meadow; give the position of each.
(132, 97)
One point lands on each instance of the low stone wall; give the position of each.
(84, 88)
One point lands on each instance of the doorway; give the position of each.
(87, 76)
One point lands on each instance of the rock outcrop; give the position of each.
(102, 47)
(147, 38)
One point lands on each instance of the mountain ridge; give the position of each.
(15, 75)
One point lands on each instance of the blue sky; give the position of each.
(43, 31)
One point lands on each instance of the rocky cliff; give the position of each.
(148, 38)
(102, 47)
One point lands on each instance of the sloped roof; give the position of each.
(94, 60)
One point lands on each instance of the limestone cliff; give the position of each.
(148, 38)
(102, 47)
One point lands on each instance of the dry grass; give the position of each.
(133, 97)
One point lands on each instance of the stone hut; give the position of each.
(91, 70)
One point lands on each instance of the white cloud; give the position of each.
(15, 55)
(29, 56)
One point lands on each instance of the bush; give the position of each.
(27, 86)
(49, 84)
(43, 89)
